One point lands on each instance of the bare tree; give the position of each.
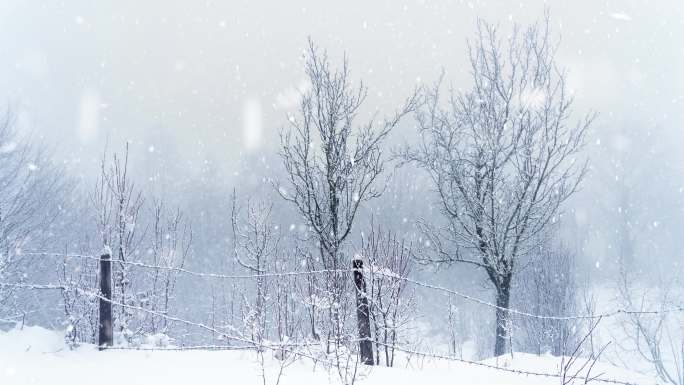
(658, 338)
(171, 240)
(80, 311)
(547, 287)
(256, 241)
(309, 289)
(333, 164)
(32, 192)
(501, 155)
(390, 262)
(118, 205)
(573, 367)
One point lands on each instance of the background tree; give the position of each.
(32, 195)
(332, 164)
(501, 155)
(547, 286)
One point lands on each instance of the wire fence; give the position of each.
(513, 311)
(297, 349)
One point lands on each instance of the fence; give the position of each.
(105, 303)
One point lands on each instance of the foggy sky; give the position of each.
(210, 82)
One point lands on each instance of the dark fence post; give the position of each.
(106, 330)
(362, 314)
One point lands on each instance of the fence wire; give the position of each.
(513, 311)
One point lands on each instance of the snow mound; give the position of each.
(31, 339)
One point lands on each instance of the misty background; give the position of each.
(200, 90)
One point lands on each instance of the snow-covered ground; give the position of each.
(38, 356)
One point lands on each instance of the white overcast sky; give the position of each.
(200, 72)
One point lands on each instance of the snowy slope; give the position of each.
(38, 356)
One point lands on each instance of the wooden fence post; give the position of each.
(362, 314)
(106, 327)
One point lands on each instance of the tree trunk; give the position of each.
(362, 314)
(503, 296)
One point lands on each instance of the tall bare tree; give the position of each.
(502, 155)
(170, 245)
(256, 246)
(118, 206)
(333, 163)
